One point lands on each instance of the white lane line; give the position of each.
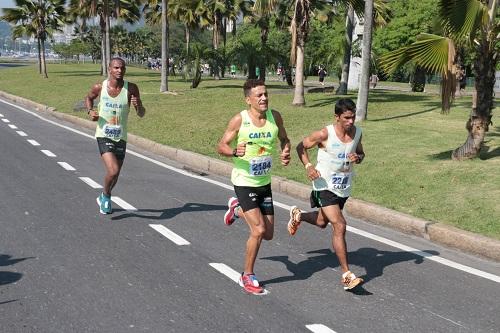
(66, 166)
(426, 255)
(438, 259)
(123, 204)
(33, 142)
(226, 270)
(169, 234)
(319, 328)
(1, 115)
(12, 126)
(48, 153)
(90, 182)
(21, 133)
(5, 120)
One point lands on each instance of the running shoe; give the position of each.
(250, 283)
(350, 281)
(294, 222)
(104, 203)
(230, 217)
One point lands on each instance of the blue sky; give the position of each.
(6, 3)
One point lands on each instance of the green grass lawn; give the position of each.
(407, 141)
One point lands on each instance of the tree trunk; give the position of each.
(480, 117)
(164, 46)
(342, 89)
(104, 66)
(264, 33)
(42, 62)
(39, 56)
(298, 95)
(362, 102)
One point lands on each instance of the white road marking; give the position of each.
(66, 166)
(226, 270)
(48, 153)
(434, 258)
(319, 328)
(5, 120)
(21, 133)
(12, 126)
(90, 182)
(169, 234)
(33, 142)
(1, 115)
(123, 204)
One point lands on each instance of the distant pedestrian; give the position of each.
(233, 71)
(373, 80)
(322, 74)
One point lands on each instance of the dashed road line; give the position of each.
(319, 328)
(12, 126)
(66, 166)
(21, 133)
(226, 270)
(5, 120)
(90, 182)
(169, 234)
(123, 204)
(33, 142)
(48, 153)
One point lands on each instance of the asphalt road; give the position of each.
(66, 268)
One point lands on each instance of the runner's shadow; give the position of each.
(168, 213)
(9, 277)
(374, 261)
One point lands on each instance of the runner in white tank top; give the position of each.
(339, 147)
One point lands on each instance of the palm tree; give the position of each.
(127, 10)
(362, 102)
(349, 27)
(38, 19)
(473, 23)
(262, 11)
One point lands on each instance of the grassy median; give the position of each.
(408, 142)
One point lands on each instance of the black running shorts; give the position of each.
(107, 145)
(326, 198)
(255, 197)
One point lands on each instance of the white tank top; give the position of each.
(335, 168)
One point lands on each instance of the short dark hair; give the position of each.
(251, 83)
(343, 105)
(117, 59)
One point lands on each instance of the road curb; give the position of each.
(436, 232)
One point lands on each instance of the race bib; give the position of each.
(260, 166)
(112, 131)
(340, 180)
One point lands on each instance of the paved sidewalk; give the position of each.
(434, 231)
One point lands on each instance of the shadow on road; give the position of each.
(374, 261)
(9, 277)
(168, 213)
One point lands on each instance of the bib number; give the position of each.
(112, 131)
(340, 181)
(260, 166)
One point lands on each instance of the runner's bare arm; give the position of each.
(224, 146)
(314, 139)
(283, 137)
(135, 99)
(89, 101)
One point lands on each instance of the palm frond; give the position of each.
(429, 51)
(462, 18)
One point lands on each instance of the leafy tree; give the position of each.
(469, 22)
(38, 19)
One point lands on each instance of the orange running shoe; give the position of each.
(350, 281)
(294, 222)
